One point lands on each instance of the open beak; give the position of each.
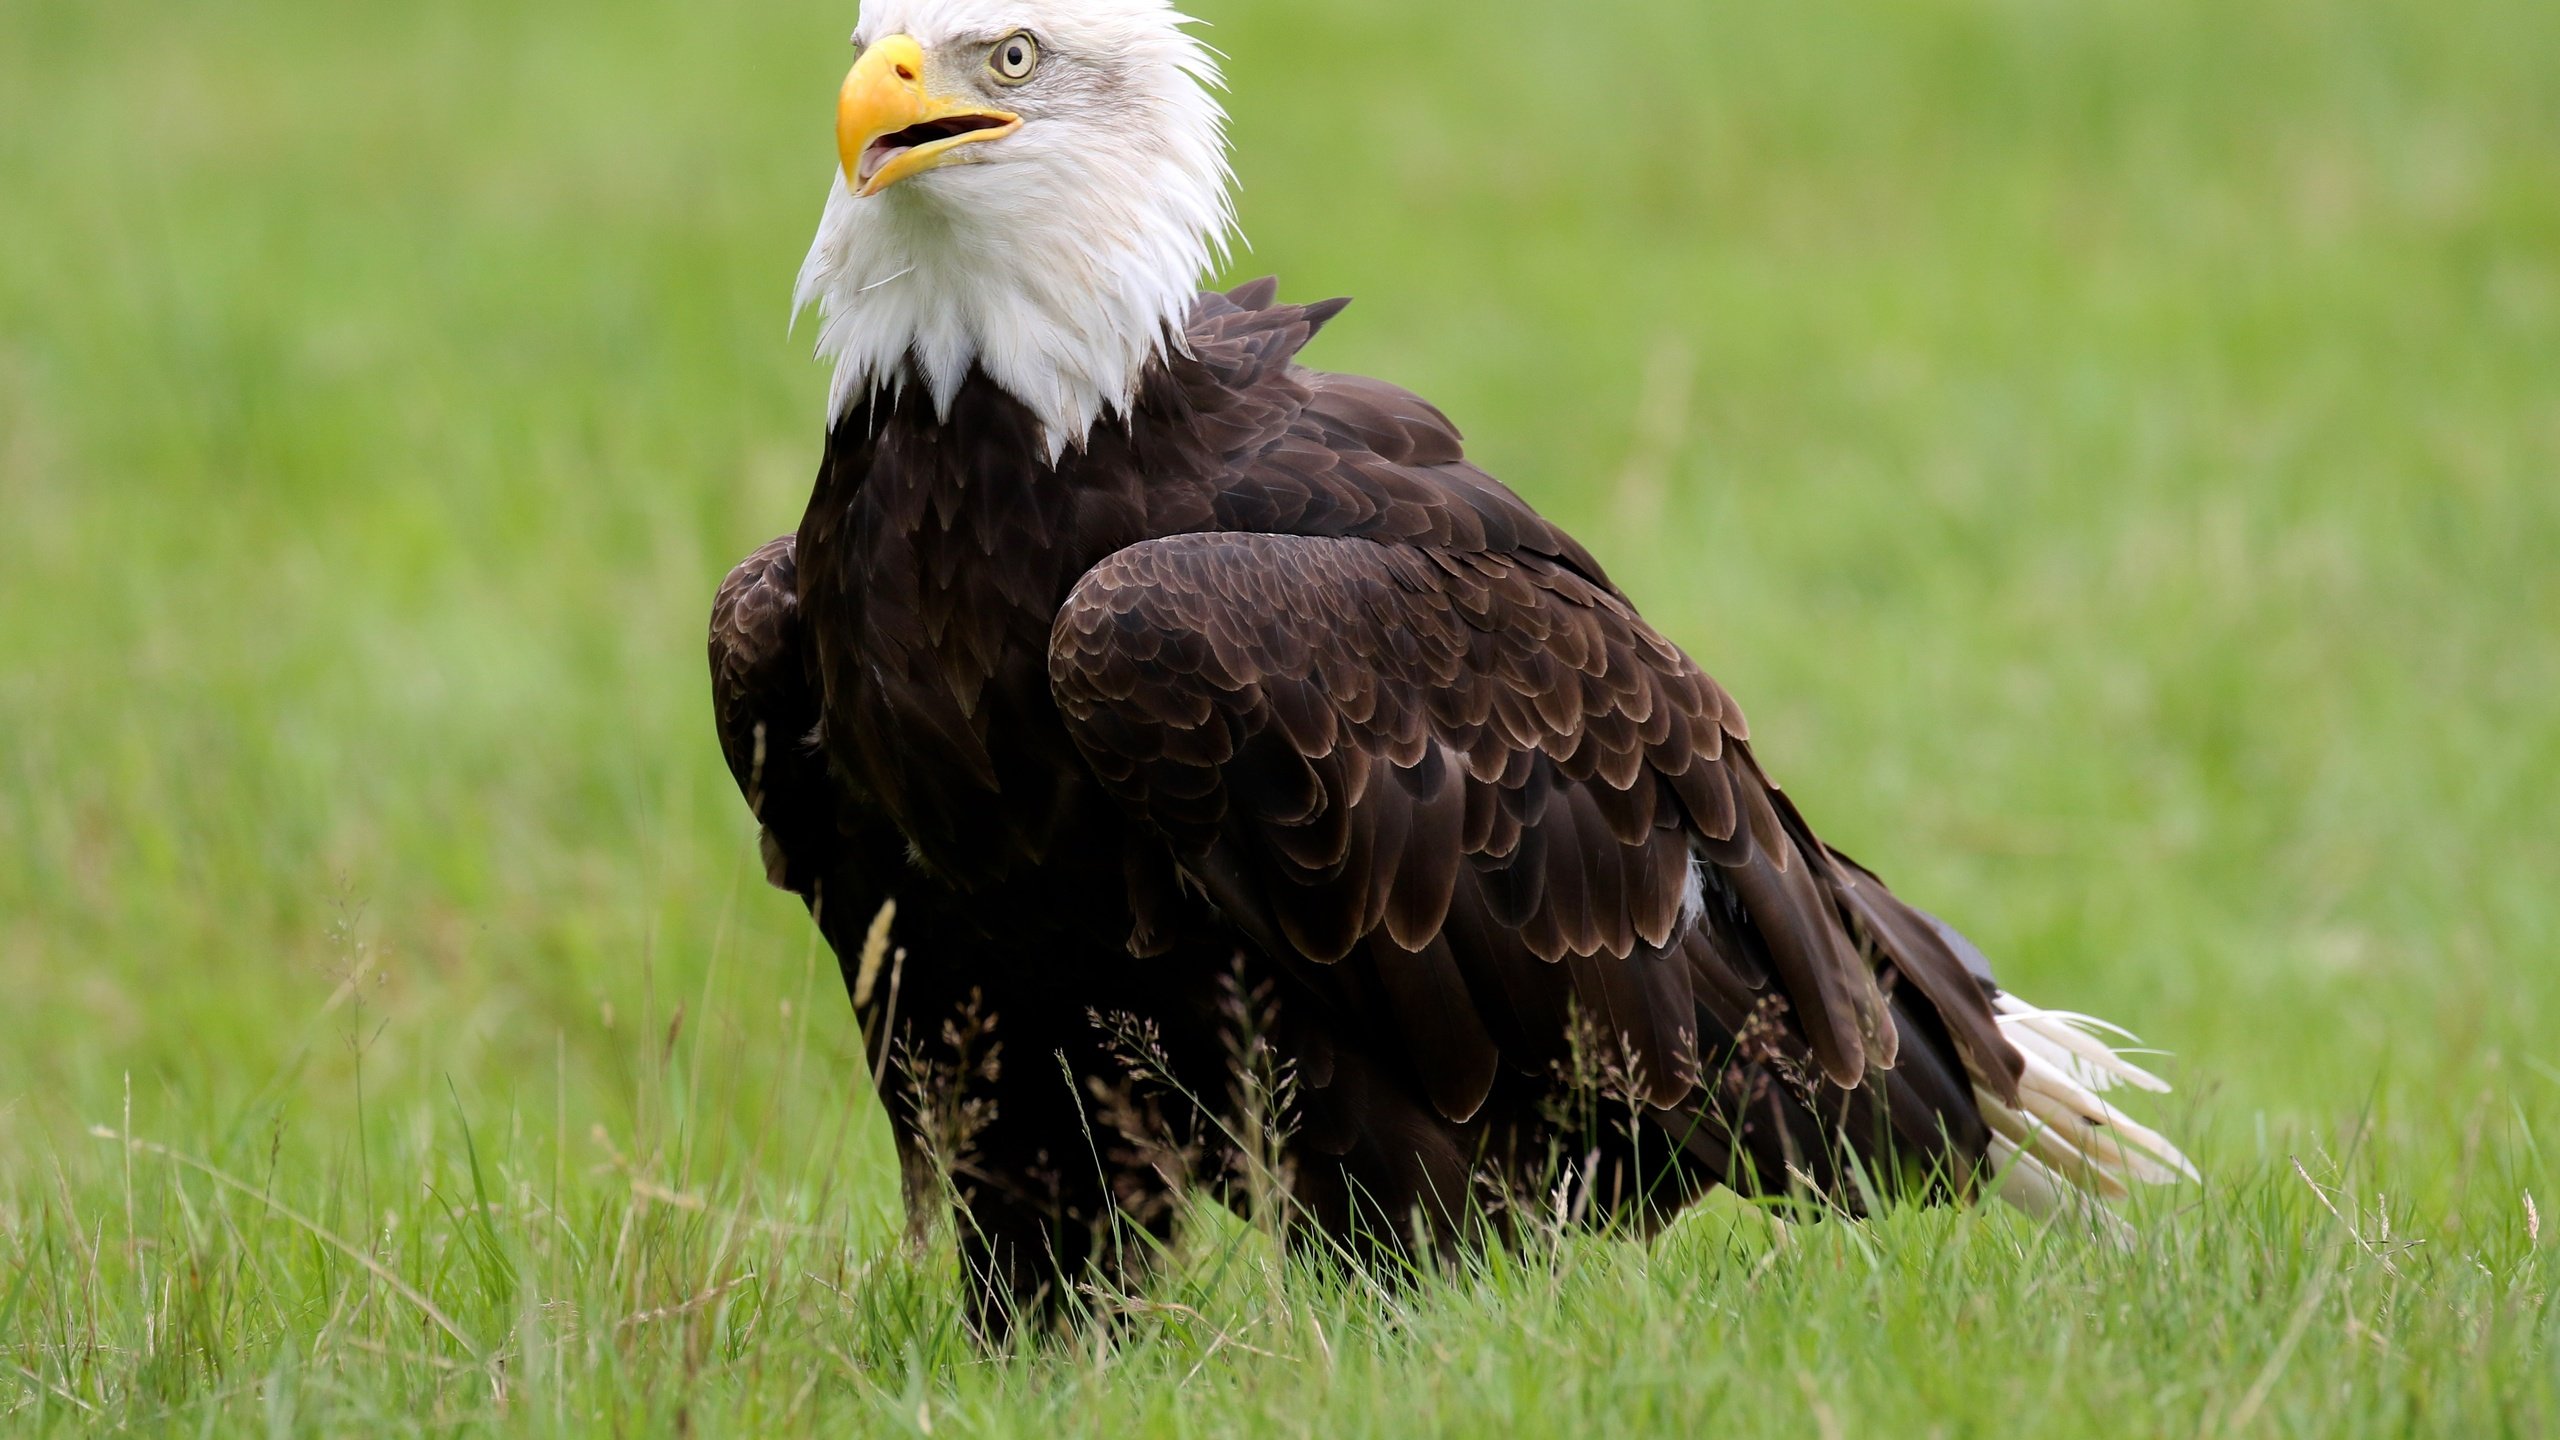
(888, 128)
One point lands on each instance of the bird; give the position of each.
(1214, 785)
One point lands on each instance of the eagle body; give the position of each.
(1262, 801)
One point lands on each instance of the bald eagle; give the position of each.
(1234, 752)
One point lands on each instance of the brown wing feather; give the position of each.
(1557, 696)
(765, 701)
(1454, 768)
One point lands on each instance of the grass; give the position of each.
(2114, 449)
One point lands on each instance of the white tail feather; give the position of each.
(2061, 1137)
(2031, 1186)
(2026, 1182)
(2075, 1045)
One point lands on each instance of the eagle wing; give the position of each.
(1478, 790)
(837, 857)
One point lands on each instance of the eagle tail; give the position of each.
(2055, 1142)
(2059, 1143)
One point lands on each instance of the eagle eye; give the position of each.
(1014, 58)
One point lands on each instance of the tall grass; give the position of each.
(2111, 448)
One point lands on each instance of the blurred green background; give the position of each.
(2112, 447)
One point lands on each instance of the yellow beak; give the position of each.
(888, 128)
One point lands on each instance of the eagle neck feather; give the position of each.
(1061, 284)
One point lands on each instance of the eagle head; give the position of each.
(1027, 188)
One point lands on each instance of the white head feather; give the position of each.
(1064, 258)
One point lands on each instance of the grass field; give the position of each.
(2113, 447)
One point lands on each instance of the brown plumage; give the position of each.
(1265, 692)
